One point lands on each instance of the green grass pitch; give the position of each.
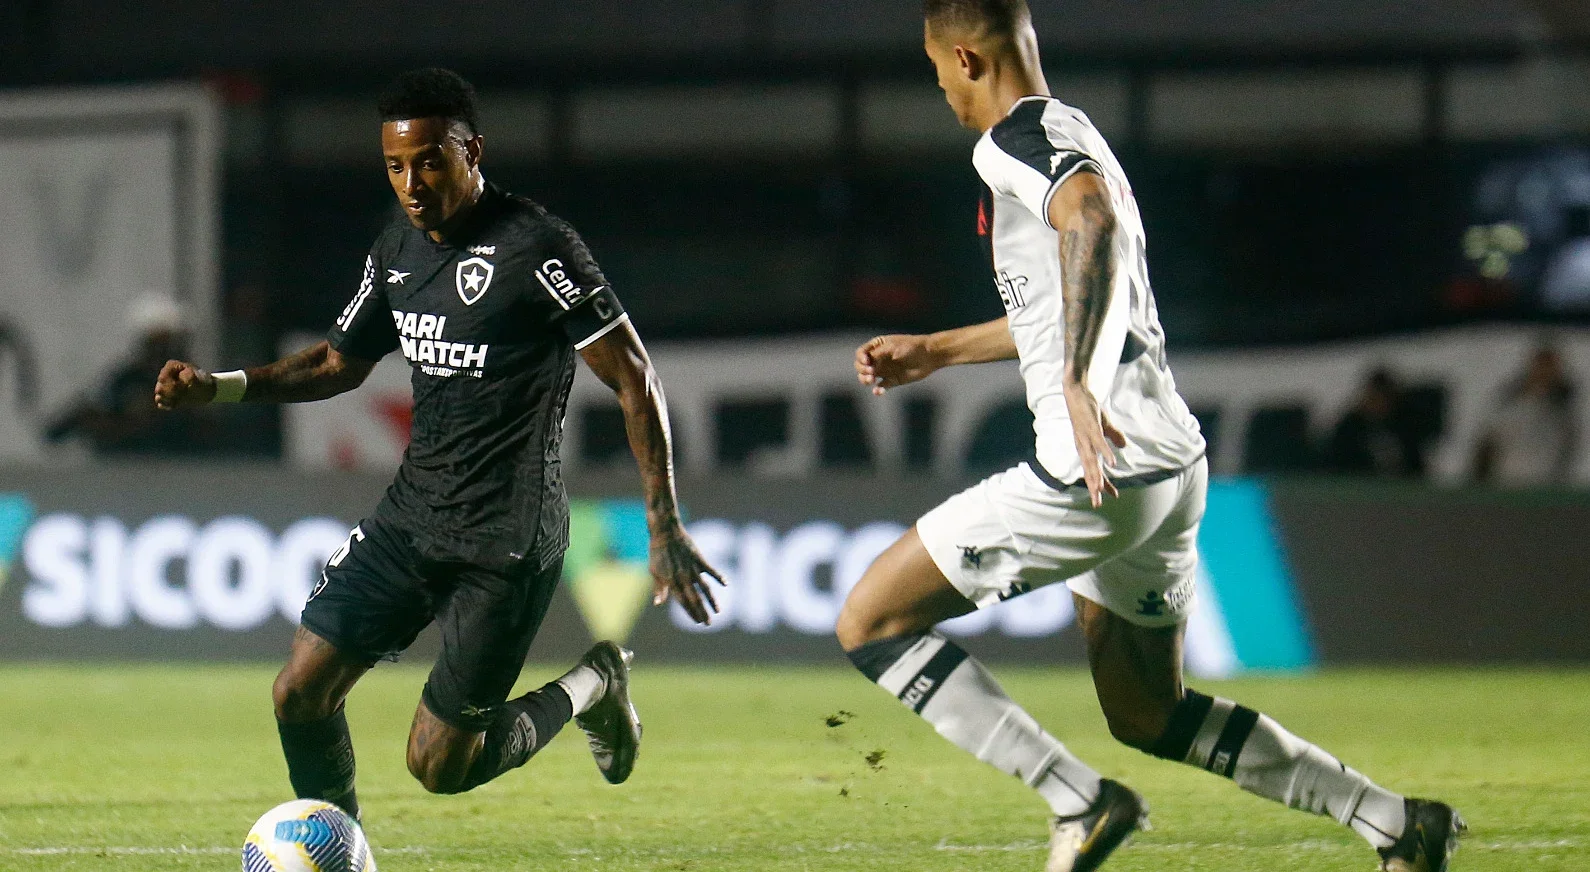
(165, 768)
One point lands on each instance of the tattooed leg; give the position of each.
(440, 754)
(308, 696)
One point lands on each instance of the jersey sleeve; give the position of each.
(1045, 156)
(365, 328)
(586, 307)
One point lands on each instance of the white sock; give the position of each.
(1264, 759)
(963, 702)
(584, 686)
(1380, 816)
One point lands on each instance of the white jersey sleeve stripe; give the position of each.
(611, 326)
(366, 284)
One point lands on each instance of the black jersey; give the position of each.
(489, 321)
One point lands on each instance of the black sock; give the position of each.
(519, 728)
(875, 657)
(320, 760)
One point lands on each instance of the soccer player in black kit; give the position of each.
(489, 297)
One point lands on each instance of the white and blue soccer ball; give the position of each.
(307, 835)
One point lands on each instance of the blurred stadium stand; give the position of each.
(785, 167)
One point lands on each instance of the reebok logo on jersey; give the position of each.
(393, 277)
(420, 335)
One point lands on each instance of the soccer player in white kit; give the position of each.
(1109, 504)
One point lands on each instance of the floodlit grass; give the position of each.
(165, 768)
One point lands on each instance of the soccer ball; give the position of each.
(307, 835)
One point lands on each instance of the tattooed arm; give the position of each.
(318, 372)
(1080, 210)
(620, 361)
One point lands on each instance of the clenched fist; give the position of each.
(890, 361)
(183, 384)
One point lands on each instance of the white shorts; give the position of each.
(1136, 555)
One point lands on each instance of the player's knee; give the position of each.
(858, 625)
(436, 782)
(1138, 727)
(1130, 733)
(298, 702)
(434, 774)
(852, 629)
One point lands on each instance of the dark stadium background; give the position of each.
(1362, 182)
(1267, 235)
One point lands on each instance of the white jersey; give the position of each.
(1023, 160)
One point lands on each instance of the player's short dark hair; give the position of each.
(976, 17)
(431, 92)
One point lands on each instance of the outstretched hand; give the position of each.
(897, 359)
(678, 570)
(1094, 437)
(182, 384)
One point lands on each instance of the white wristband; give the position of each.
(230, 386)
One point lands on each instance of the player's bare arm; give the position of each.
(318, 372)
(677, 568)
(1081, 212)
(899, 359)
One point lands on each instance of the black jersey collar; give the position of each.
(479, 218)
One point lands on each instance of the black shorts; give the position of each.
(377, 593)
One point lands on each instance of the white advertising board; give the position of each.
(367, 430)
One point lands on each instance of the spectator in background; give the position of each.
(19, 365)
(119, 418)
(1533, 436)
(1377, 436)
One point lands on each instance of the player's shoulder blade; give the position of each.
(518, 208)
(1044, 134)
(532, 221)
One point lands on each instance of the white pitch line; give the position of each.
(154, 850)
(148, 850)
(1313, 845)
(118, 851)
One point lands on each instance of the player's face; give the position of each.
(952, 76)
(431, 168)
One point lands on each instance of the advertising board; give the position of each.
(212, 563)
